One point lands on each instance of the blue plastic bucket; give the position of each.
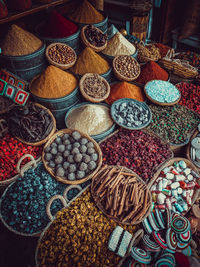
(73, 40)
(59, 103)
(27, 66)
(98, 137)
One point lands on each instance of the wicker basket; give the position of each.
(123, 77)
(39, 143)
(87, 43)
(157, 102)
(65, 181)
(189, 147)
(90, 98)
(12, 181)
(59, 65)
(148, 53)
(179, 67)
(152, 134)
(170, 162)
(115, 218)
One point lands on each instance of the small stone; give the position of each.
(58, 140)
(65, 136)
(66, 142)
(83, 166)
(53, 145)
(75, 150)
(76, 144)
(70, 159)
(66, 153)
(72, 168)
(47, 149)
(80, 174)
(90, 150)
(54, 151)
(78, 157)
(48, 156)
(58, 159)
(90, 145)
(52, 164)
(66, 165)
(71, 176)
(83, 141)
(61, 148)
(94, 156)
(86, 158)
(92, 165)
(83, 148)
(69, 147)
(76, 135)
(60, 172)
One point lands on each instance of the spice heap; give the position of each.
(94, 36)
(163, 49)
(162, 91)
(30, 123)
(29, 196)
(125, 90)
(126, 68)
(175, 187)
(94, 85)
(53, 83)
(5, 104)
(71, 156)
(131, 114)
(173, 124)
(86, 14)
(90, 62)
(119, 45)
(79, 234)
(127, 199)
(136, 150)
(190, 96)
(11, 150)
(19, 42)
(152, 71)
(56, 26)
(62, 54)
(91, 119)
(195, 148)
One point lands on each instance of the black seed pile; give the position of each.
(71, 156)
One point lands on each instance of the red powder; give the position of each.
(57, 26)
(152, 71)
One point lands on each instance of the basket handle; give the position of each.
(27, 165)
(3, 128)
(51, 200)
(69, 188)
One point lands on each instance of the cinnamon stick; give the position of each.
(123, 199)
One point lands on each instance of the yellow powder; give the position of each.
(90, 61)
(86, 14)
(19, 42)
(53, 83)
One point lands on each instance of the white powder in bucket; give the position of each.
(119, 45)
(91, 119)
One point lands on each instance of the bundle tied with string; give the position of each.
(178, 67)
(148, 52)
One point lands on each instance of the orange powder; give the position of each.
(125, 90)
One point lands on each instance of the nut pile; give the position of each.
(78, 237)
(61, 54)
(126, 66)
(120, 195)
(131, 114)
(30, 123)
(94, 86)
(71, 156)
(95, 36)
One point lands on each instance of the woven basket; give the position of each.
(87, 43)
(90, 98)
(80, 181)
(123, 77)
(160, 103)
(170, 162)
(185, 71)
(100, 206)
(148, 53)
(59, 65)
(189, 147)
(152, 134)
(49, 135)
(12, 181)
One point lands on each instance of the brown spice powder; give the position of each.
(90, 62)
(53, 83)
(19, 42)
(86, 14)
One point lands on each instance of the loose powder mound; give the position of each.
(125, 90)
(19, 42)
(119, 45)
(90, 62)
(90, 119)
(53, 83)
(86, 14)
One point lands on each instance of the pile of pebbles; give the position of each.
(71, 156)
(131, 113)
